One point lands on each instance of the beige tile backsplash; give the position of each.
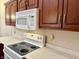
(66, 39)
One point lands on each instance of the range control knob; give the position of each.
(24, 58)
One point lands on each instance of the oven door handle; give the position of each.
(7, 56)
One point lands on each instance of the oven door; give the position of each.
(6, 56)
(10, 54)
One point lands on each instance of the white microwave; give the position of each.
(28, 19)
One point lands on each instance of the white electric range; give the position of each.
(30, 43)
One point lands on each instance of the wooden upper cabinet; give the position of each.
(22, 5)
(10, 12)
(33, 4)
(13, 11)
(71, 15)
(50, 13)
(62, 14)
(7, 14)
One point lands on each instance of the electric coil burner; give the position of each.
(30, 43)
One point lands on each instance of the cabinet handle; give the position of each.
(64, 18)
(60, 19)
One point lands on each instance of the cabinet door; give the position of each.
(7, 14)
(22, 5)
(13, 11)
(1, 51)
(50, 13)
(71, 15)
(33, 3)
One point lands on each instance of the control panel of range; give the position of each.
(36, 39)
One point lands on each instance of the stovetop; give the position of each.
(23, 48)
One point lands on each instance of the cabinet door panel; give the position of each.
(22, 5)
(13, 12)
(50, 13)
(71, 14)
(7, 15)
(32, 3)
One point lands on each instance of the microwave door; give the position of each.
(22, 23)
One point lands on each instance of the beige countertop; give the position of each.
(9, 40)
(47, 53)
(42, 53)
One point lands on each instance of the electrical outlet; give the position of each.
(52, 37)
(14, 32)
